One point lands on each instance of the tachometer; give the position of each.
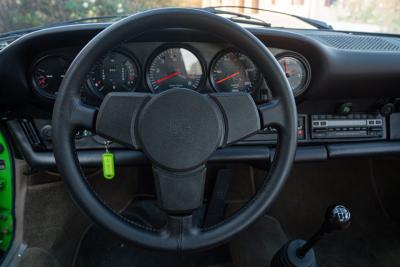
(48, 73)
(232, 71)
(117, 72)
(174, 67)
(297, 71)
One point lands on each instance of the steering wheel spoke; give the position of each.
(180, 192)
(240, 115)
(117, 116)
(272, 114)
(83, 116)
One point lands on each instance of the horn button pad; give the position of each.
(179, 129)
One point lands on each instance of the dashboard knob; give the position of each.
(387, 109)
(345, 108)
(46, 132)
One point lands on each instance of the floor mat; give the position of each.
(256, 246)
(373, 239)
(102, 249)
(53, 224)
(38, 257)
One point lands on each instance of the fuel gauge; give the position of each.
(297, 71)
(48, 73)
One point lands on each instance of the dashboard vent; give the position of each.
(358, 42)
(31, 134)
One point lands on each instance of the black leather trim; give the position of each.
(309, 153)
(363, 149)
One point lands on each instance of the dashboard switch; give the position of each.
(46, 132)
(345, 109)
(300, 133)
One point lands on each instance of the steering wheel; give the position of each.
(178, 130)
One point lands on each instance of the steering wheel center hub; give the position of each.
(180, 128)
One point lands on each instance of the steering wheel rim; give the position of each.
(69, 114)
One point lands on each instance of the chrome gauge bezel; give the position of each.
(304, 86)
(160, 49)
(220, 54)
(127, 54)
(37, 89)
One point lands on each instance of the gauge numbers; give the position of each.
(174, 67)
(117, 72)
(232, 71)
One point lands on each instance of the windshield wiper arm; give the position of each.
(313, 22)
(238, 17)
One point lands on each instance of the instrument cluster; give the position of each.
(223, 69)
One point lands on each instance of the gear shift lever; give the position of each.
(299, 253)
(336, 218)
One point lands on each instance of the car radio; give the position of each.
(352, 126)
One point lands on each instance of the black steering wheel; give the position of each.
(178, 130)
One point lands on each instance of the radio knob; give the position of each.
(387, 109)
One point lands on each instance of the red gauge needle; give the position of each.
(285, 65)
(167, 77)
(227, 77)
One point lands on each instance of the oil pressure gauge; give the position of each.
(297, 71)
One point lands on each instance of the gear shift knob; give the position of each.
(337, 217)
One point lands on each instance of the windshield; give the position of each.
(381, 16)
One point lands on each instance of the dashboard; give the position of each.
(346, 87)
(156, 66)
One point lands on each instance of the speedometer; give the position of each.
(174, 67)
(115, 73)
(232, 71)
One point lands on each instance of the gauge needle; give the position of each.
(287, 72)
(167, 77)
(227, 77)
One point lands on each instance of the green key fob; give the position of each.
(108, 165)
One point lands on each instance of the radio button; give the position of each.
(375, 129)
